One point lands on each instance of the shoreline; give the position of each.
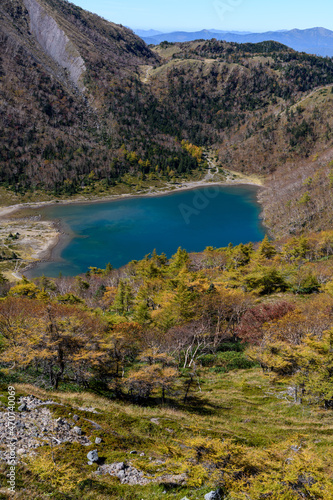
(61, 234)
(54, 247)
(31, 239)
(187, 186)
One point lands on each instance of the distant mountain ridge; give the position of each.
(317, 41)
(147, 33)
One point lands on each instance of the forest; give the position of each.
(203, 372)
(260, 109)
(140, 103)
(161, 334)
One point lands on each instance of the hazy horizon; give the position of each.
(255, 16)
(172, 30)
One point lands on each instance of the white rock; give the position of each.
(92, 456)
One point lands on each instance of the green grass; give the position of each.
(243, 405)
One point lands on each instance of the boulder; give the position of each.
(124, 472)
(98, 440)
(93, 456)
(213, 495)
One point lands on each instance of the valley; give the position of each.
(182, 349)
(145, 114)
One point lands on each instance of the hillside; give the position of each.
(205, 372)
(255, 104)
(219, 93)
(85, 102)
(317, 41)
(73, 99)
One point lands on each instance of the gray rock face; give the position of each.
(92, 456)
(98, 440)
(77, 430)
(55, 42)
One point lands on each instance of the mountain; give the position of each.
(87, 103)
(72, 96)
(313, 41)
(146, 33)
(184, 36)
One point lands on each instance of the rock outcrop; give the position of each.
(55, 42)
(125, 473)
(35, 426)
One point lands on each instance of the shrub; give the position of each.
(225, 362)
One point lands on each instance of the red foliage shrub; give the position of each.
(250, 327)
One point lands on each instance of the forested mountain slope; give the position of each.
(56, 129)
(84, 99)
(266, 109)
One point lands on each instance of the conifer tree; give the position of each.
(266, 249)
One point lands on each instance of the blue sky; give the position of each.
(190, 15)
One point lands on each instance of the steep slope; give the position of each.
(71, 97)
(55, 42)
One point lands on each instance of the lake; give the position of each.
(127, 229)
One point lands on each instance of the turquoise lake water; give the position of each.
(123, 230)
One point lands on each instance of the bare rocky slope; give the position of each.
(55, 42)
